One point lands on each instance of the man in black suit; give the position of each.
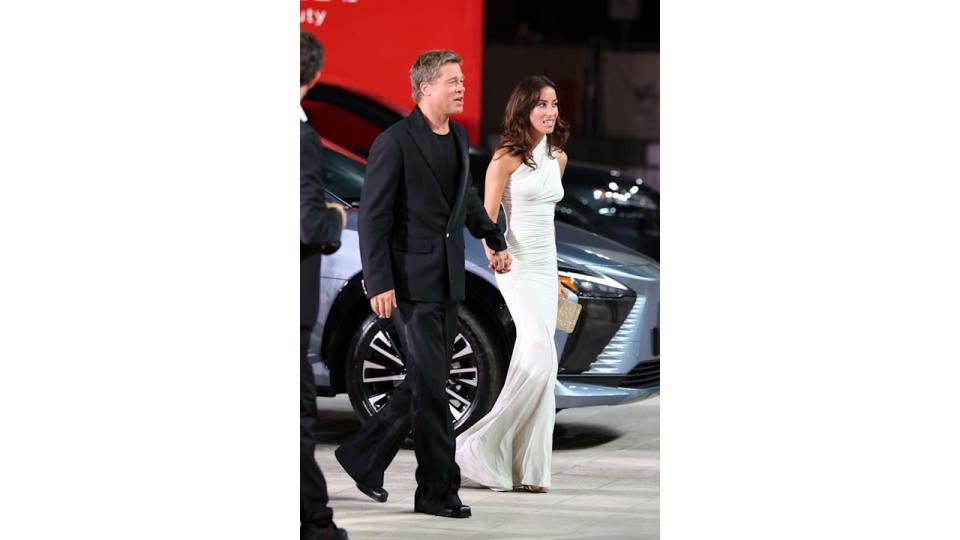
(417, 196)
(320, 226)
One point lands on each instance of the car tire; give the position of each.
(373, 373)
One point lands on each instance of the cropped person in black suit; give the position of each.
(320, 227)
(417, 196)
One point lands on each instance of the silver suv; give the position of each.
(611, 357)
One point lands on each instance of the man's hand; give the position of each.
(500, 261)
(343, 213)
(383, 303)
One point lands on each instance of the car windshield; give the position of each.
(343, 176)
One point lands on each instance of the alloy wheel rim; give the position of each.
(384, 368)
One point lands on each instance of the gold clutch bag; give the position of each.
(567, 315)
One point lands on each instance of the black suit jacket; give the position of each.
(411, 239)
(318, 224)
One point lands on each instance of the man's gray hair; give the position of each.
(426, 68)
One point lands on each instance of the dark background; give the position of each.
(604, 57)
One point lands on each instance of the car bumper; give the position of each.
(572, 394)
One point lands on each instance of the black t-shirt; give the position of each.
(449, 165)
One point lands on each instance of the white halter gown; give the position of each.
(512, 444)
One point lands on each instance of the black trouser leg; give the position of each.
(426, 333)
(314, 510)
(368, 454)
(438, 476)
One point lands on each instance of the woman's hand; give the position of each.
(562, 292)
(500, 261)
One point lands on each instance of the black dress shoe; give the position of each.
(326, 533)
(456, 511)
(378, 494)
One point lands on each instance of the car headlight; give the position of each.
(590, 286)
(615, 195)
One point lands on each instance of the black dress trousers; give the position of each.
(420, 402)
(315, 513)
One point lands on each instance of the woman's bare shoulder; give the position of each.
(506, 159)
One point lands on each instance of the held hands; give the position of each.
(383, 303)
(343, 213)
(500, 261)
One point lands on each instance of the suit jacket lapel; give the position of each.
(462, 179)
(427, 144)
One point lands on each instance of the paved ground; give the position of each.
(606, 484)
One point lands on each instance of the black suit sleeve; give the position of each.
(479, 223)
(380, 185)
(318, 224)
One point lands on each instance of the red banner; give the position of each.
(370, 45)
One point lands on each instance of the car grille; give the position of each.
(625, 344)
(646, 374)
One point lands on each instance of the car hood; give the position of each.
(585, 248)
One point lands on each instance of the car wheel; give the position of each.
(377, 366)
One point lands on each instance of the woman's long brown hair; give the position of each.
(517, 138)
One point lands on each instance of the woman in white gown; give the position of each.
(510, 447)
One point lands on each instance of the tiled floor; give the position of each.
(606, 484)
